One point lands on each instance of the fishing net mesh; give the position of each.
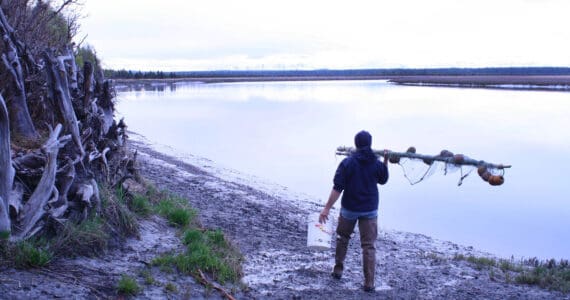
(417, 170)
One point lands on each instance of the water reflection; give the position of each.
(287, 132)
(147, 86)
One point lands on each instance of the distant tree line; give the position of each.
(128, 74)
(384, 72)
(529, 71)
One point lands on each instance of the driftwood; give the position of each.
(67, 61)
(6, 169)
(58, 89)
(34, 209)
(16, 196)
(20, 120)
(444, 156)
(60, 181)
(202, 278)
(87, 84)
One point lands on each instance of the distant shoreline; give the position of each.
(532, 82)
(221, 79)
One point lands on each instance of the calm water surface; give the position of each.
(287, 132)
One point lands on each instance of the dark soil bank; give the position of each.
(268, 224)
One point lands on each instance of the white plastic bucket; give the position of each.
(319, 235)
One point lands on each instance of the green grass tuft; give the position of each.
(31, 254)
(117, 214)
(141, 205)
(482, 262)
(548, 274)
(90, 238)
(147, 275)
(128, 286)
(209, 251)
(180, 217)
(171, 287)
(176, 211)
(4, 235)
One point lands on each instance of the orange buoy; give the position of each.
(481, 170)
(394, 159)
(446, 153)
(458, 158)
(496, 180)
(484, 173)
(412, 149)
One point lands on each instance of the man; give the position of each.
(358, 176)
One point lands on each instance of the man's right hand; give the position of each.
(324, 216)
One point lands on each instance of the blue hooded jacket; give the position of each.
(358, 176)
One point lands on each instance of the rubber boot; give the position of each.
(343, 231)
(368, 234)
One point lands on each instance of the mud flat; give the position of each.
(268, 223)
(554, 82)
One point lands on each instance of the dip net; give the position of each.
(418, 167)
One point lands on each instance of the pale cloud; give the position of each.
(184, 35)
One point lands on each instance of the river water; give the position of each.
(287, 133)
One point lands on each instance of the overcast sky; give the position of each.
(174, 35)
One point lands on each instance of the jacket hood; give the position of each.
(364, 155)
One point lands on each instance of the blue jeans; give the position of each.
(354, 215)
